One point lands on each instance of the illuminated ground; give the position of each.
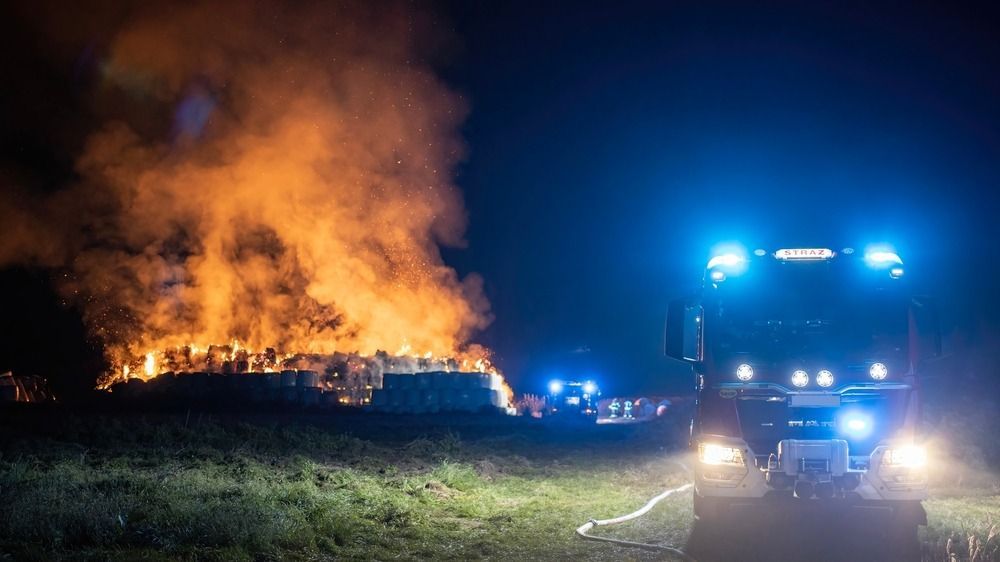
(360, 487)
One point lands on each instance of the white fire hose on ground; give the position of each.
(582, 530)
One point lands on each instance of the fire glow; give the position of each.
(292, 215)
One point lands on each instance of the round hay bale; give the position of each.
(446, 399)
(311, 395)
(439, 379)
(308, 379)
(272, 381)
(288, 378)
(379, 398)
(390, 380)
(424, 380)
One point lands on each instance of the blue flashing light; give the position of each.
(882, 258)
(896, 272)
(856, 425)
(717, 276)
(589, 387)
(727, 260)
(555, 387)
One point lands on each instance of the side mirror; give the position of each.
(925, 329)
(683, 331)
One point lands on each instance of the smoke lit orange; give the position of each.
(290, 201)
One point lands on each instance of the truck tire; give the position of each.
(901, 534)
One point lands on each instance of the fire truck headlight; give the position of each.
(910, 456)
(824, 378)
(710, 453)
(555, 387)
(744, 372)
(589, 387)
(800, 378)
(878, 371)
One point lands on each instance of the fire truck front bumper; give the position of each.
(727, 467)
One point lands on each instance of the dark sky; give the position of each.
(611, 145)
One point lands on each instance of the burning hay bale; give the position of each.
(192, 238)
(382, 382)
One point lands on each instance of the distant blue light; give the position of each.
(896, 272)
(856, 424)
(555, 387)
(589, 387)
(717, 276)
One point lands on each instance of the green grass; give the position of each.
(358, 488)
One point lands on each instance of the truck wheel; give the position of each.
(902, 541)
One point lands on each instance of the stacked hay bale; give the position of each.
(440, 391)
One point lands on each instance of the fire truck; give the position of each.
(573, 397)
(807, 364)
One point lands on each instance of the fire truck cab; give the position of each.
(573, 397)
(806, 364)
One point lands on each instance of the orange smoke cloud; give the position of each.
(295, 198)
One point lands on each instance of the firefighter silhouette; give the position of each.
(628, 409)
(614, 407)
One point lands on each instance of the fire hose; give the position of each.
(582, 530)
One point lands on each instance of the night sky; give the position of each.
(610, 146)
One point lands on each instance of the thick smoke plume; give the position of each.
(295, 198)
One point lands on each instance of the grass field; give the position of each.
(190, 486)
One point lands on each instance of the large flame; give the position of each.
(277, 180)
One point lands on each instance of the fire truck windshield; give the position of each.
(808, 309)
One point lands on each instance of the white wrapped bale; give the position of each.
(394, 399)
(307, 379)
(424, 380)
(390, 381)
(379, 399)
(311, 396)
(439, 380)
(484, 380)
(446, 399)
(288, 378)
(431, 400)
(465, 401)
